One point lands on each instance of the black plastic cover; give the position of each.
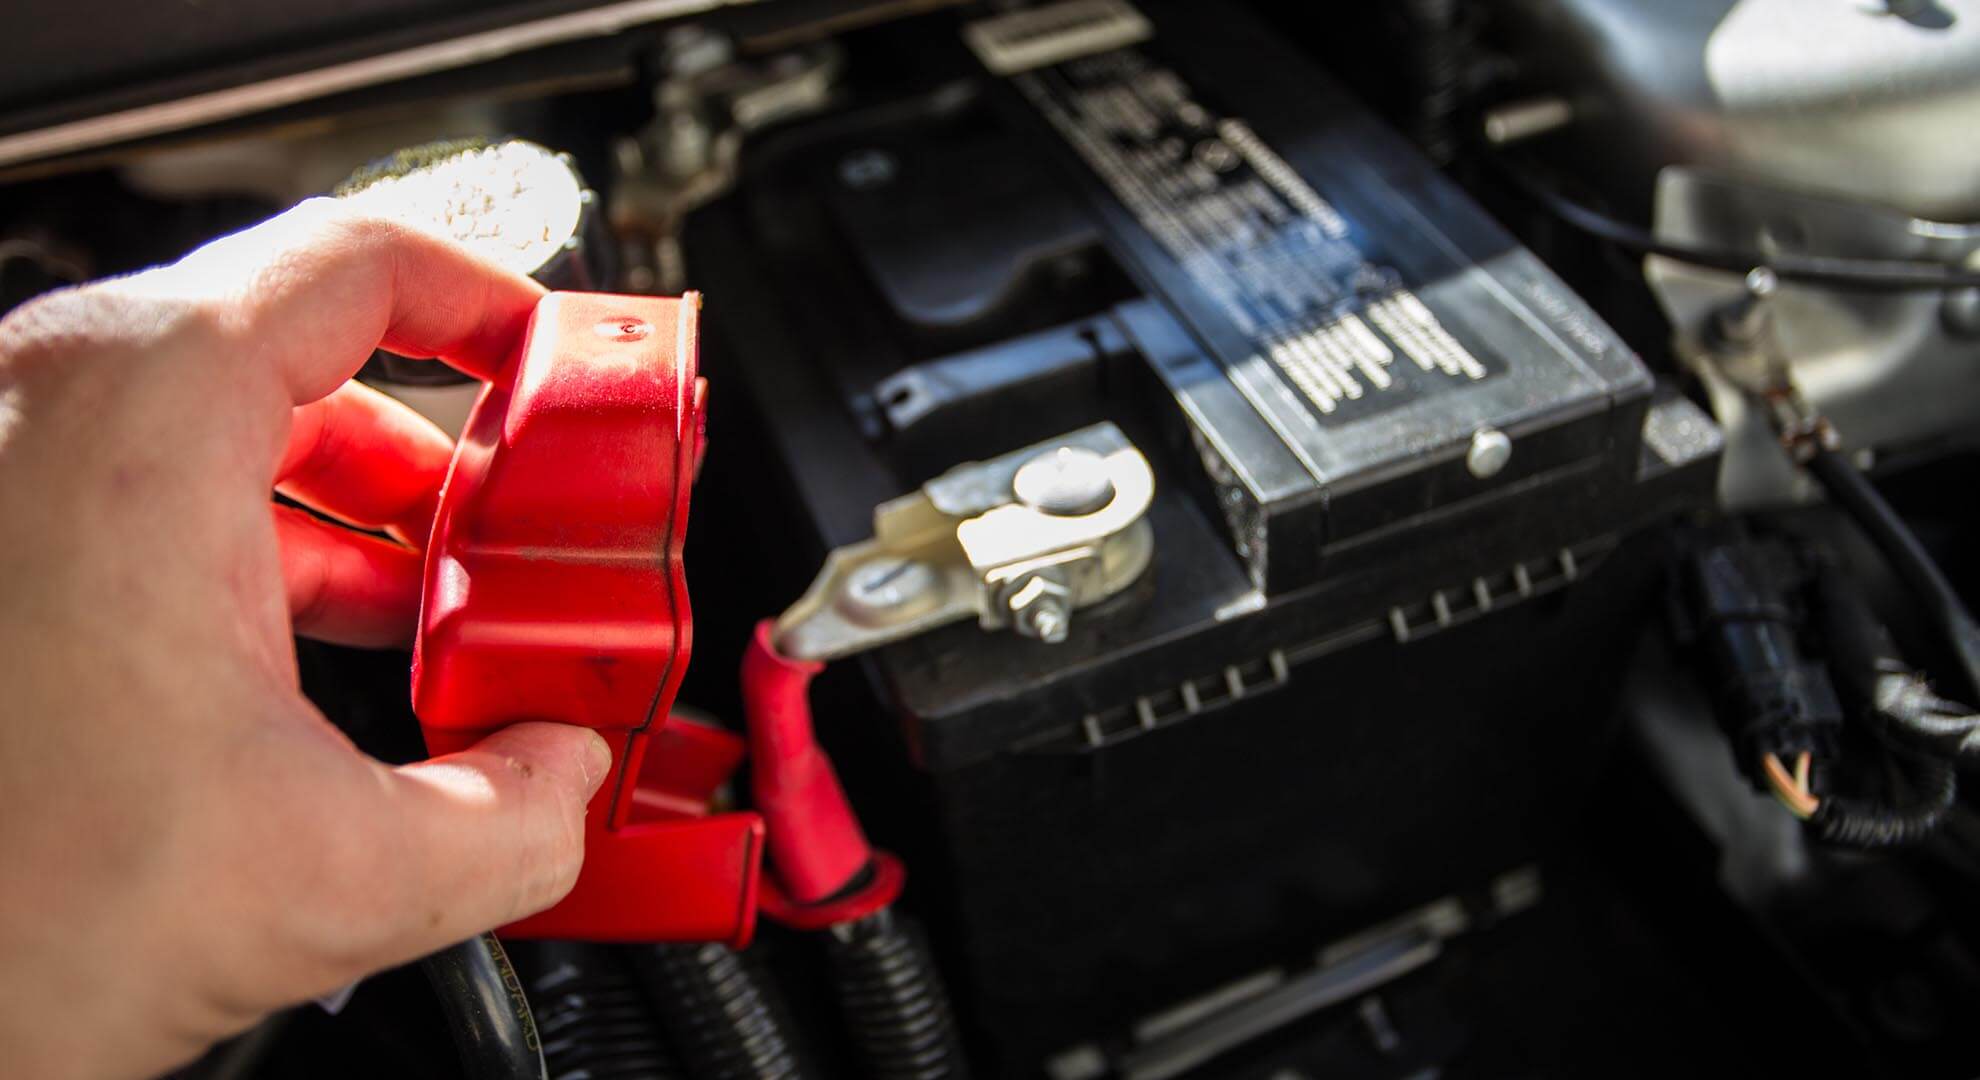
(1360, 319)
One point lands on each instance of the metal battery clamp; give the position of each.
(1019, 541)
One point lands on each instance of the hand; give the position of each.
(185, 843)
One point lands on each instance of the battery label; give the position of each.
(1281, 263)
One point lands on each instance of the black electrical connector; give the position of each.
(1772, 696)
(1794, 650)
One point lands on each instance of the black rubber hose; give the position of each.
(487, 1011)
(722, 1015)
(595, 1022)
(1860, 823)
(1849, 489)
(894, 1001)
(1829, 271)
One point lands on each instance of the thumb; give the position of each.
(496, 831)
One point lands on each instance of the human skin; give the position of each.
(186, 844)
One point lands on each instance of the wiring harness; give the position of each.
(1795, 651)
(1779, 692)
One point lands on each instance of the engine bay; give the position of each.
(1232, 540)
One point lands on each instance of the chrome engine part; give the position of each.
(1895, 371)
(1871, 100)
(1787, 129)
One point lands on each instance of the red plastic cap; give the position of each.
(555, 591)
(554, 587)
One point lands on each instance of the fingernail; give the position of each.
(597, 763)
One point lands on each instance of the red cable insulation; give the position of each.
(816, 846)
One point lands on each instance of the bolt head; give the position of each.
(1488, 453)
(1065, 482)
(886, 588)
(1762, 282)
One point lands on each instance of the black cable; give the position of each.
(1834, 271)
(1849, 489)
(487, 1011)
(894, 1000)
(595, 1022)
(723, 1015)
(1876, 682)
(1859, 823)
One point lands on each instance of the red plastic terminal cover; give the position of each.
(555, 591)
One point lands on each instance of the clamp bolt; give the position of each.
(1745, 321)
(886, 587)
(1064, 482)
(1040, 608)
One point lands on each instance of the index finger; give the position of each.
(311, 292)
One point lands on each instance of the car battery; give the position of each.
(1406, 482)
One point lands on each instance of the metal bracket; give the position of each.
(1742, 346)
(1019, 541)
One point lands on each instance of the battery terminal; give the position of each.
(1020, 541)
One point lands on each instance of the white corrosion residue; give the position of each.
(515, 204)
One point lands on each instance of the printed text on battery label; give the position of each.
(1274, 255)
